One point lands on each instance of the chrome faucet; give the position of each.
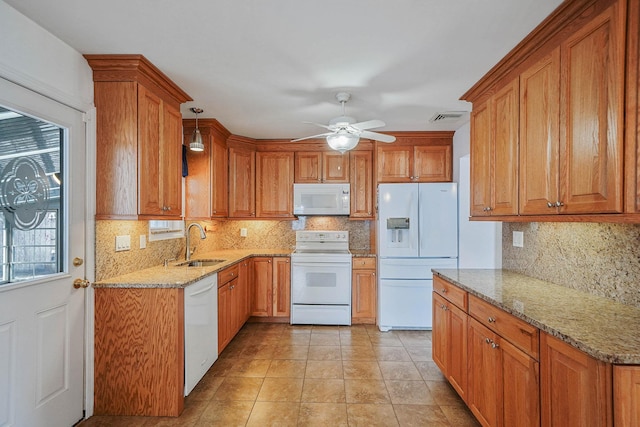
(202, 236)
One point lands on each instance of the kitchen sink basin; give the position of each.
(200, 263)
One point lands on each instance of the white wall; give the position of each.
(461, 147)
(34, 58)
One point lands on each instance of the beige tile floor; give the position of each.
(283, 375)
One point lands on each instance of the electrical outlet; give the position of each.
(143, 241)
(243, 232)
(123, 243)
(518, 239)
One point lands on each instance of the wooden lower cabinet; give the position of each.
(363, 291)
(449, 341)
(576, 388)
(139, 351)
(233, 287)
(271, 292)
(626, 395)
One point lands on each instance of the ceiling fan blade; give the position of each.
(377, 136)
(312, 136)
(318, 124)
(370, 124)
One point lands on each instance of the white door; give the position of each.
(439, 220)
(43, 231)
(398, 220)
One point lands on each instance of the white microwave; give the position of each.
(321, 199)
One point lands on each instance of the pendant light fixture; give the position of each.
(196, 139)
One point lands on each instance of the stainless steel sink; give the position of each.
(199, 263)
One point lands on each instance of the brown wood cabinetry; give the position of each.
(271, 296)
(449, 341)
(362, 187)
(575, 388)
(626, 395)
(494, 154)
(363, 291)
(416, 157)
(274, 184)
(242, 183)
(139, 351)
(321, 166)
(139, 139)
(206, 186)
(233, 295)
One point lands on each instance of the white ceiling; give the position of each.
(263, 67)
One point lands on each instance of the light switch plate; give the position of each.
(143, 241)
(518, 239)
(123, 243)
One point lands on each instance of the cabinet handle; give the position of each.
(443, 290)
(559, 203)
(491, 319)
(494, 345)
(551, 205)
(444, 307)
(487, 340)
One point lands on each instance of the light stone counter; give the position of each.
(180, 277)
(600, 327)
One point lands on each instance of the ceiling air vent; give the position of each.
(447, 116)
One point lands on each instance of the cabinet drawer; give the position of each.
(227, 274)
(450, 292)
(364, 263)
(517, 331)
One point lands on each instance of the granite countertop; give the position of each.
(362, 253)
(180, 277)
(600, 327)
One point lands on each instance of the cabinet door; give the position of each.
(149, 169)
(335, 167)
(224, 316)
(171, 161)
(219, 179)
(626, 395)
(439, 333)
(433, 163)
(362, 188)
(243, 300)
(308, 166)
(281, 287)
(457, 356)
(274, 184)
(539, 136)
(242, 181)
(592, 114)
(521, 387)
(484, 392)
(395, 163)
(363, 296)
(575, 388)
(481, 136)
(504, 179)
(261, 301)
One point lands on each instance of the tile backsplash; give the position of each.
(603, 259)
(220, 235)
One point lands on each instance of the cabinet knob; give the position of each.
(215, 211)
(443, 290)
(551, 205)
(494, 345)
(373, 274)
(487, 340)
(269, 261)
(491, 319)
(559, 204)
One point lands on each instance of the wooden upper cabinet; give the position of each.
(242, 183)
(416, 157)
(321, 166)
(362, 188)
(632, 118)
(540, 136)
(274, 184)
(592, 100)
(139, 139)
(206, 186)
(494, 154)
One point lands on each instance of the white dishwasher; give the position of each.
(200, 330)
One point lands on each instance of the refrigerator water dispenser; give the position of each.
(398, 232)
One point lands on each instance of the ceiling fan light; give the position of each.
(343, 141)
(196, 141)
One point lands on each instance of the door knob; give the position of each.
(77, 261)
(81, 283)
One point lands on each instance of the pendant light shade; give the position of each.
(196, 139)
(343, 141)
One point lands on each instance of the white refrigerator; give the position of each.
(417, 231)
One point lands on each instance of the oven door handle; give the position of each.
(317, 263)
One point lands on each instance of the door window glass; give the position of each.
(31, 194)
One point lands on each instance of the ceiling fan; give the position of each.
(344, 133)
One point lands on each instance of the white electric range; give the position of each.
(321, 278)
